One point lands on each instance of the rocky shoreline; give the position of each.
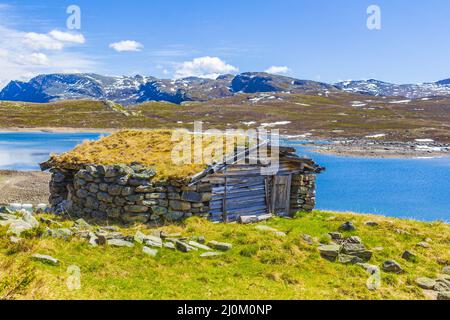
(380, 149)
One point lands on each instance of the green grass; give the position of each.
(260, 265)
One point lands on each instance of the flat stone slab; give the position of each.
(330, 252)
(222, 246)
(199, 246)
(149, 251)
(120, 243)
(45, 259)
(425, 283)
(211, 254)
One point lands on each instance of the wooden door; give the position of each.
(281, 193)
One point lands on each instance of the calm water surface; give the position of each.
(412, 188)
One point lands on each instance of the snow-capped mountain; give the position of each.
(128, 90)
(411, 91)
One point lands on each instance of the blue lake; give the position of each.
(24, 151)
(411, 188)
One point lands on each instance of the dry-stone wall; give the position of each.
(303, 192)
(125, 193)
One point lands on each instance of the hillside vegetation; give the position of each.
(338, 115)
(260, 265)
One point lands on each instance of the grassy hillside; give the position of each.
(260, 265)
(339, 115)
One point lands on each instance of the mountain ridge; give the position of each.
(128, 90)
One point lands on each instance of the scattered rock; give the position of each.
(330, 252)
(45, 259)
(442, 285)
(446, 270)
(81, 224)
(372, 224)
(62, 233)
(347, 259)
(392, 266)
(370, 269)
(199, 239)
(211, 254)
(423, 245)
(14, 240)
(347, 226)
(183, 247)
(425, 283)
(169, 245)
(199, 245)
(357, 250)
(336, 235)
(30, 219)
(93, 241)
(444, 296)
(354, 239)
(308, 239)
(17, 227)
(150, 252)
(120, 243)
(222, 246)
(409, 256)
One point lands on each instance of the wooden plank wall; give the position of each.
(241, 190)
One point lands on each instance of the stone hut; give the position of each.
(129, 177)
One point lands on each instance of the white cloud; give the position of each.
(278, 70)
(39, 41)
(67, 36)
(126, 45)
(204, 67)
(26, 54)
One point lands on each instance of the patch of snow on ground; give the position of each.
(358, 104)
(303, 104)
(248, 123)
(424, 140)
(381, 135)
(274, 124)
(400, 101)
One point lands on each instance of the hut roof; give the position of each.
(151, 148)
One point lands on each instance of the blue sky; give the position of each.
(319, 40)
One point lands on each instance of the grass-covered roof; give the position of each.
(152, 148)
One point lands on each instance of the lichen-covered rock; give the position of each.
(425, 283)
(45, 259)
(120, 243)
(330, 252)
(222, 246)
(392, 266)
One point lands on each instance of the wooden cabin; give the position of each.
(128, 176)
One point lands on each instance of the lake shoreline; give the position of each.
(354, 147)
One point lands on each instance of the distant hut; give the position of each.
(129, 176)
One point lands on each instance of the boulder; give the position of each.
(81, 224)
(336, 236)
(347, 259)
(45, 259)
(372, 224)
(347, 226)
(354, 239)
(442, 285)
(222, 246)
(62, 233)
(445, 296)
(330, 252)
(409, 256)
(30, 219)
(17, 227)
(308, 239)
(392, 266)
(446, 270)
(149, 251)
(425, 283)
(357, 250)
